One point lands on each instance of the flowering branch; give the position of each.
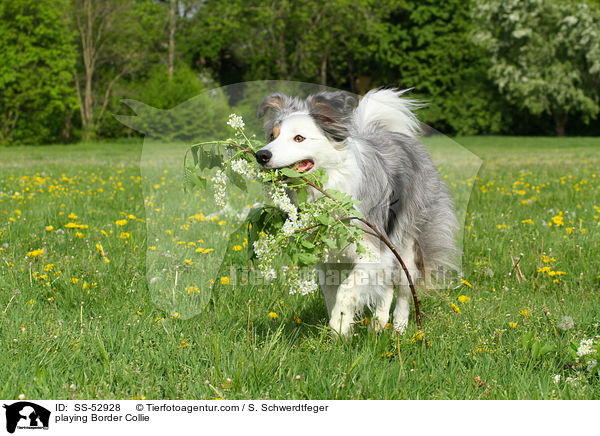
(300, 233)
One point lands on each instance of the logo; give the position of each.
(26, 415)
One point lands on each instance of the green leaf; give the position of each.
(307, 244)
(329, 242)
(307, 259)
(200, 182)
(195, 155)
(288, 172)
(237, 179)
(302, 195)
(255, 214)
(547, 348)
(526, 340)
(535, 349)
(325, 219)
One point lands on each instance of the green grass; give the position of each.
(88, 328)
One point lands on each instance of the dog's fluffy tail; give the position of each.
(386, 109)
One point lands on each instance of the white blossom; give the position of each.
(591, 364)
(243, 167)
(292, 225)
(266, 251)
(556, 378)
(585, 347)
(283, 202)
(303, 286)
(236, 122)
(220, 186)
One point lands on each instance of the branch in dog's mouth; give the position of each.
(302, 166)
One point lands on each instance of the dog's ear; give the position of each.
(273, 102)
(332, 112)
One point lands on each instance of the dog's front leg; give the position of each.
(346, 302)
(402, 310)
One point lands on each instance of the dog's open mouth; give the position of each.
(303, 166)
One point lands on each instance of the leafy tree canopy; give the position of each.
(545, 55)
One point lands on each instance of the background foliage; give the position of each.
(483, 66)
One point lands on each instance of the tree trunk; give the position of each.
(66, 133)
(172, 26)
(560, 120)
(560, 128)
(324, 70)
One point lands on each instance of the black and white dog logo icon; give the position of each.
(26, 415)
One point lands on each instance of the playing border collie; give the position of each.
(369, 149)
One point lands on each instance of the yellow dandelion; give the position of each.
(417, 337)
(49, 228)
(124, 235)
(297, 319)
(558, 220)
(76, 226)
(237, 248)
(513, 324)
(547, 259)
(72, 216)
(524, 312)
(225, 280)
(184, 343)
(188, 262)
(455, 308)
(35, 253)
(193, 289)
(121, 222)
(273, 315)
(556, 273)
(464, 282)
(49, 267)
(464, 299)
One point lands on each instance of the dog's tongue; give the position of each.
(305, 165)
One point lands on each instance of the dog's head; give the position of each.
(305, 134)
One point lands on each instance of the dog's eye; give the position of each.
(272, 137)
(298, 138)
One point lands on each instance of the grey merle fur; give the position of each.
(401, 191)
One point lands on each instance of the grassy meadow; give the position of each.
(80, 319)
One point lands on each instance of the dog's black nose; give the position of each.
(263, 156)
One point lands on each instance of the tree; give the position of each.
(307, 40)
(36, 72)
(545, 55)
(112, 44)
(425, 45)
